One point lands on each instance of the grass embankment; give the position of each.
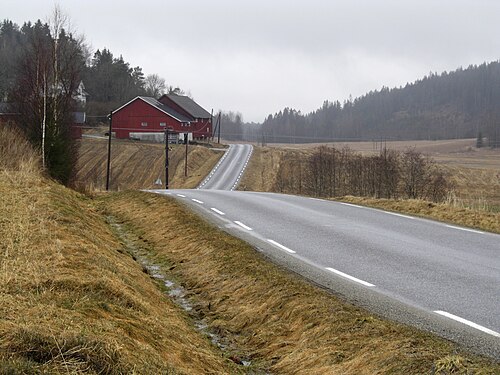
(282, 321)
(72, 299)
(483, 220)
(137, 165)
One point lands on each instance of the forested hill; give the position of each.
(459, 104)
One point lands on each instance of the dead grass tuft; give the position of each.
(67, 351)
(452, 364)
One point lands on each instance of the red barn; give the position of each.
(179, 114)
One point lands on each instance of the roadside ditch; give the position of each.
(143, 253)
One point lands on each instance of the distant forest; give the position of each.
(464, 103)
(109, 80)
(460, 104)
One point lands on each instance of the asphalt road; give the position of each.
(227, 173)
(437, 277)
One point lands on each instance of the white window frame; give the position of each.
(144, 124)
(163, 124)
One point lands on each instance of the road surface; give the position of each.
(434, 276)
(227, 173)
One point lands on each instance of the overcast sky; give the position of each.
(258, 56)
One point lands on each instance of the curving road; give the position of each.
(437, 277)
(227, 173)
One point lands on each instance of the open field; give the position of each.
(270, 317)
(137, 165)
(474, 172)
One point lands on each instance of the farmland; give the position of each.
(138, 165)
(474, 172)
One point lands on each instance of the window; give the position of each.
(163, 124)
(144, 124)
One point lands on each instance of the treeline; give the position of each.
(41, 67)
(329, 172)
(109, 80)
(459, 104)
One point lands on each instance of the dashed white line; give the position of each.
(197, 201)
(465, 229)
(352, 278)
(216, 210)
(243, 225)
(467, 322)
(400, 215)
(180, 195)
(281, 246)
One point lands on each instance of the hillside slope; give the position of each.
(450, 105)
(72, 299)
(137, 165)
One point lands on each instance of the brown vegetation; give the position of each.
(137, 165)
(72, 299)
(281, 321)
(473, 173)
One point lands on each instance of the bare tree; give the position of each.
(48, 76)
(155, 85)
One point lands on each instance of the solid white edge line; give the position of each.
(465, 229)
(352, 278)
(351, 205)
(180, 195)
(216, 210)
(468, 322)
(400, 215)
(242, 225)
(281, 246)
(197, 201)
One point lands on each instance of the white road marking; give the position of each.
(180, 195)
(465, 229)
(400, 215)
(243, 225)
(352, 205)
(467, 322)
(281, 246)
(216, 210)
(197, 201)
(352, 278)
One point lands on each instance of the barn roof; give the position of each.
(189, 105)
(160, 106)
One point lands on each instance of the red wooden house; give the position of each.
(180, 114)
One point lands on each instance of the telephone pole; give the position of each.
(110, 117)
(218, 128)
(166, 158)
(186, 140)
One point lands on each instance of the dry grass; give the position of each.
(475, 173)
(137, 165)
(260, 175)
(293, 327)
(71, 299)
(488, 221)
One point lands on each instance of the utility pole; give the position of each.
(218, 128)
(166, 158)
(211, 124)
(186, 140)
(110, 118)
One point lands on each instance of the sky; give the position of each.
(257, 57)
